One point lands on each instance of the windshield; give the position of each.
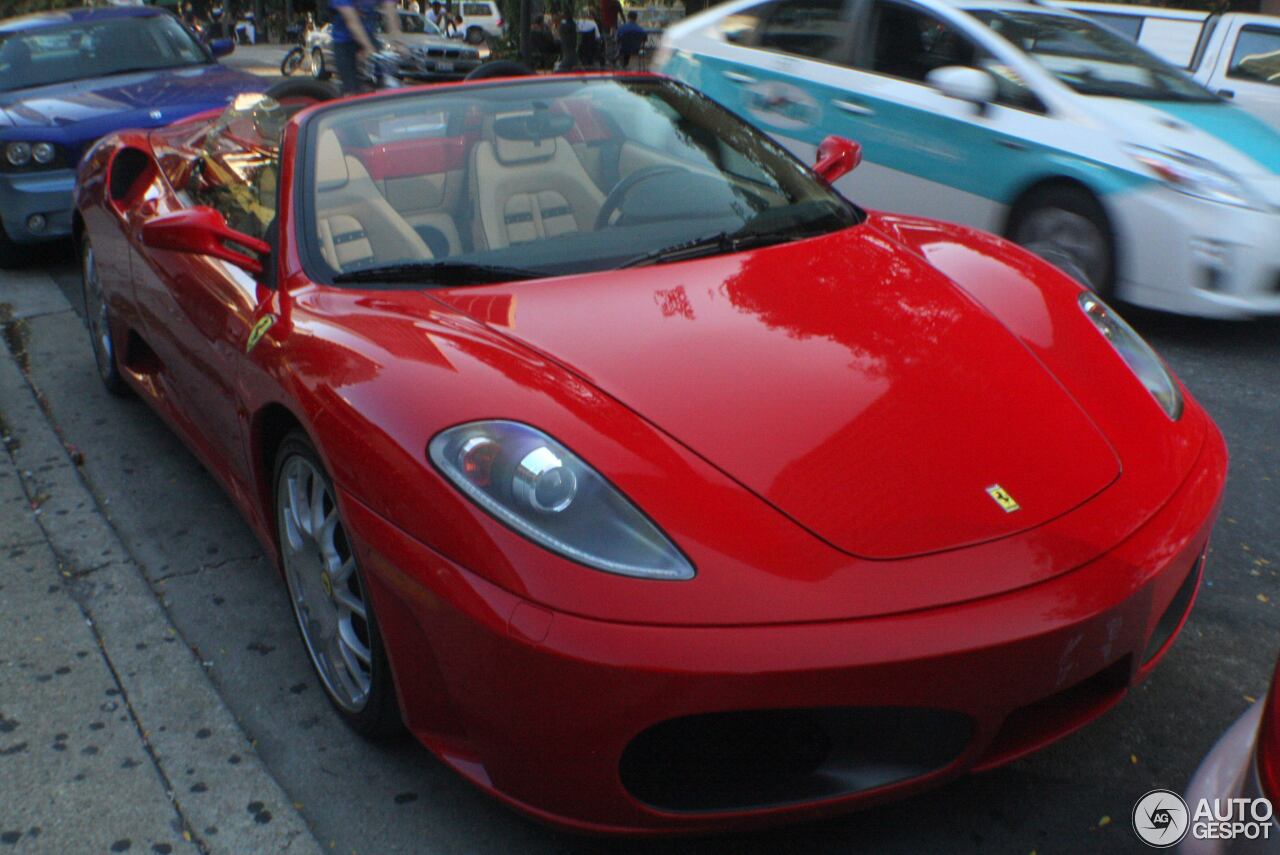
(544, 178)
(1092, 59)
(95, 49)
(412, 23)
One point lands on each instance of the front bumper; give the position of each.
(1191, 256)
(546, 709)
(25, 194)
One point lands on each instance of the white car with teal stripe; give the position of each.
(1024, 120)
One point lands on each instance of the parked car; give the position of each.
(1235, 54)
(1243, 765)
(67, 78)
(481, 19)
(431, 55)
(654, 485)
(1027, 121)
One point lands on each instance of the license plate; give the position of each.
(444, 66)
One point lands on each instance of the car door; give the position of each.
(1250, 76)
(201, 310)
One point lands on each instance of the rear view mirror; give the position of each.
(203, 231)
(837, 156)
(964, 84)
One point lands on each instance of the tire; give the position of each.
(499, 68)
(328, 593)
(475, 36)
(302, 89)
(1067, 226)
(98, 318)
(292, 62)
(318, 70)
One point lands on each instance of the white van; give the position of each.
(1236, 54)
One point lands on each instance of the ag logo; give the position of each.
(782, 105)
(1001, 497)
(1160, 819)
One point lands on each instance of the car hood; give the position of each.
(81, 111)
(842, 379)
(1219, 132)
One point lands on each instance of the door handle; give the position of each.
(1012, 144)
(853, 108)
(739, 77)
(1227, 93)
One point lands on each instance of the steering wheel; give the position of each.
(619, 193)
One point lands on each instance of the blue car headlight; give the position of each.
(537, 487)
(22, 155)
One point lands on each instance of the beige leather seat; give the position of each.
(356, 225)
(526, 190)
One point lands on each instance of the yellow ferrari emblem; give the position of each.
(259, 330)
(1002, 498)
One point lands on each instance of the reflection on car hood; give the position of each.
(842, 379)
(76, 113)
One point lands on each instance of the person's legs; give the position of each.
(344, 57)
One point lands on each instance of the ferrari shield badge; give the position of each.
(260, 329)
(1001, 497)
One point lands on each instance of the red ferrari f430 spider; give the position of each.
(646, 480)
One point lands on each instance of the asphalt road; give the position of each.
(1075, 796)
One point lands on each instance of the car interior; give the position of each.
(405, 188)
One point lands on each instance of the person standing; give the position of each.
(631, 39)
(354, 23)
(588, 40)
(568, 32)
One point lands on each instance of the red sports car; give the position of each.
(650, 483)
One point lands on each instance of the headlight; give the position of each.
(1139, 356)
(18, 153)
(25, 155)
(531, 483)
(1195, 176)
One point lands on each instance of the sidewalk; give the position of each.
(112, 737)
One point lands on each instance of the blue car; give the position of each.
(70, 77)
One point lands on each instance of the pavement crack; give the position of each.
(183, 574)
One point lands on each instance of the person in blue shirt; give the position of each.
(631, 38)
(354, 23)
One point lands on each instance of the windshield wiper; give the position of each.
(720, 243)
(440, 273)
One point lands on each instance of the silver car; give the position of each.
(432, 56)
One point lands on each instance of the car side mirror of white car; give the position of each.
(964, 84)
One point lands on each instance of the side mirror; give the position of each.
(203, 231)
(837, 157)
(222, 47)
(964, 84)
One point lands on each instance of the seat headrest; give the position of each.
(331, 163)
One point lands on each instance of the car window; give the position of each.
(739, 28)
(95, 48)
(811, 28)
(1090, 58)
(908, 43)
(1129, 26)
(236, 167)
(1257, 56)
